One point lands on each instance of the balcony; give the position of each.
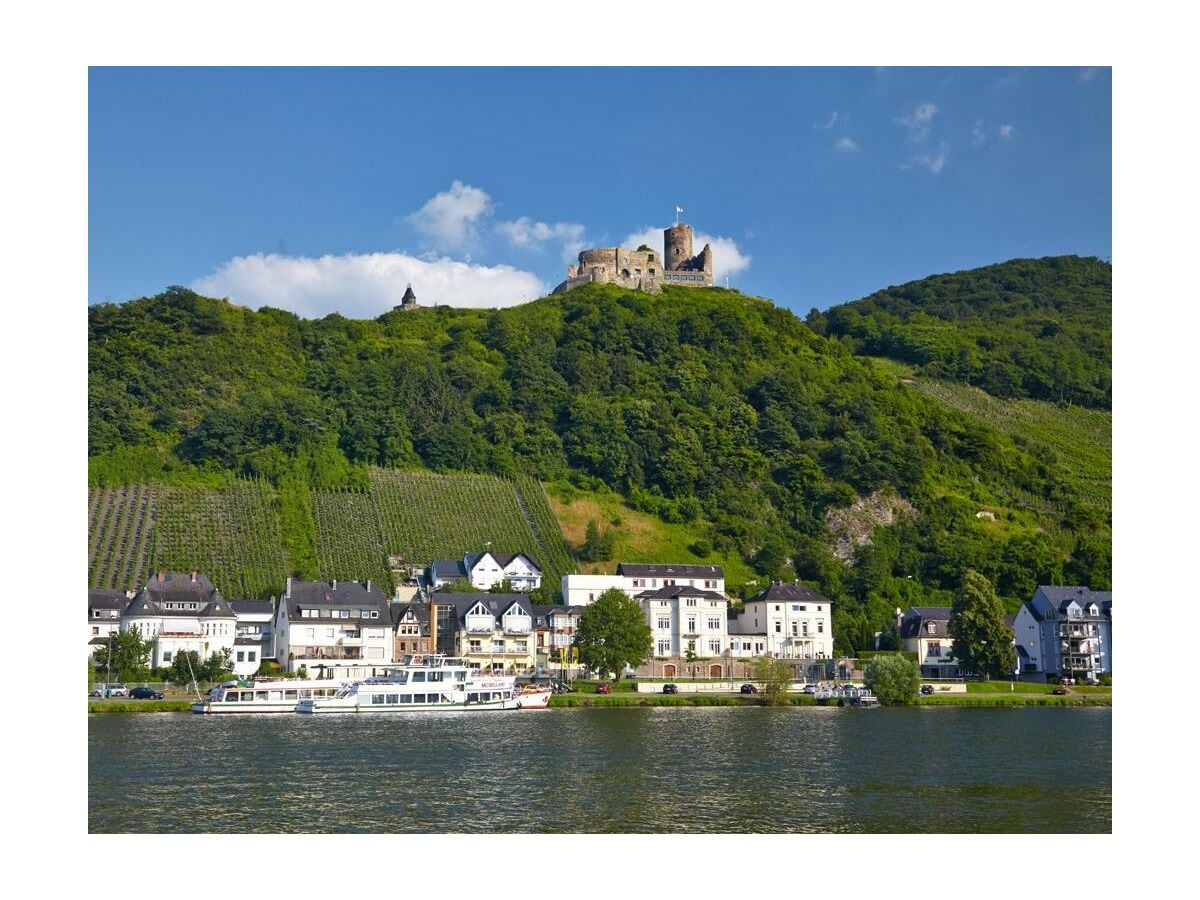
(480, 628)
(329, 653)
(518, 626)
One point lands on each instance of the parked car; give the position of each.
(749, 689)
(109, 690)
(603, 689)
(670, 689)
(809, 689)
(927, 689)
(145, 693)
(1059, 690)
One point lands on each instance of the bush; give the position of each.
(893, 679)
(701, 548)
(1106, 679)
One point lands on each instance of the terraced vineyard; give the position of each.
(349, 545)
(231, 535)
(120, 534)
(1080, 438)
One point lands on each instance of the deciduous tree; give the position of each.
(982, 644)
(893, 678)
(613, 633)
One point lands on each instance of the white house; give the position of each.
(104, 615)
(254, 637)
(685, 620)
(925, 630)
(177, 613)
(1065, 631)
(637, 578)
(787, 620)
(338, 629)
(486, 570)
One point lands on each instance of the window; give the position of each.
(241, 656)
(418, 676)
(804, 630)
(935, 649)
(778, 627)
(166, 656)
(374, 614)
(664, 622)
(365, 614)
(795, 629)
(777, 607)
(803, 609)
(95, 630)
(691, 623)
(930, 627)
(714, 647)
(664, 648)
(521, 646)
(714, 624)
(758, 647)
(796, 607)
(250, 654)
(691, 601)
(821, 627)
(476, 646)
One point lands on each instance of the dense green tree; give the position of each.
(893, 678)
(982, 643)
(126, 657)
(773, 677)
(612, 634)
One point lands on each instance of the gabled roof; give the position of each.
(420, 612)
(106, 598)
(496, 604)
(918, 617)
(1060, 597)
(674, 591)
(180, 587)
(502, 559)
(669, 570)
(788, 592)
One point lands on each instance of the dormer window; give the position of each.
(930, 627)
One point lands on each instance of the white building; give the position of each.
(686, 620)
(487, 570)
(1065, 631)
(178, 613)
(338, 629)
(104, 615)
(788, 620)
(637, 578)
(254, 638)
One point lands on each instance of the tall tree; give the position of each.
(893, 678)
(982, 644)
(774, 675)
(126, 656)
(613, 633)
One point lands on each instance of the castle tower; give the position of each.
(677, 245)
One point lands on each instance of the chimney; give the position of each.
(288, 592)
(335, 584)
(899, 619)
(193, 576)
(368, 585)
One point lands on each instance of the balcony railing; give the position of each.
(326, 653)
(517, 627)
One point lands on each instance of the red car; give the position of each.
(603, 689)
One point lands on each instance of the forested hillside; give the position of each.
(705, 408)
(1036, 328)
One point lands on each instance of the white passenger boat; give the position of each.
(432, 683)
(534, 696)
(276, 696)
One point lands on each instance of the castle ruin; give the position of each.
(645, 269)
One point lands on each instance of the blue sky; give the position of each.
(329, 189)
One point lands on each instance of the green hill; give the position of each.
(705, 421)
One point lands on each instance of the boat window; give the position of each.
(418, 676)
(261, 695)
(436, 676)
(472, 698)
(231, 696)
(276, 695)
(406, 698)
(460, 675)
(418, 698)
(289, 695)
(377, 698)
(393, 698)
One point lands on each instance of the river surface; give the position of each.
(659, 769)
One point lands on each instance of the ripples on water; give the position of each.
(666, 769)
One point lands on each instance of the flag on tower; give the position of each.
(678, 210)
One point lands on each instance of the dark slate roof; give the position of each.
(179, 587)
(449, 569)
(497, 604)
(144, 605)
(671, 591)
(420, 613)
(106, 598)
(408, 294)
(323, 596)
(669, 570)
(502, 559)
(252, 607)
(1062, 596)
(789, 592)
(914, 622)
(1033, 610)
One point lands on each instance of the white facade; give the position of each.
(487, 570)
(344, 630)
(104, 616)
(173, 632)
(582, 590)
(691, 621)
(794, 622)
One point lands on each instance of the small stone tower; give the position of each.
(409, 300)
(677, 245)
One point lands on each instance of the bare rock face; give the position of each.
(853, 526)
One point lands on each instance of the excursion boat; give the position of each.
(432, 683)
(279, 696)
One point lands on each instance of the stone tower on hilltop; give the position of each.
(645, 269)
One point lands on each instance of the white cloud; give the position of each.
(832, 120)
(364, 285)
(727, 258)
(978, 134)
(934, 162)
(528, 234)
(1006, 131)
(918, 121)
(448, 220)
(845, 144)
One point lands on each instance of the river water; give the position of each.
(659, 769)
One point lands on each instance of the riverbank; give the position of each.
(592, 701)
